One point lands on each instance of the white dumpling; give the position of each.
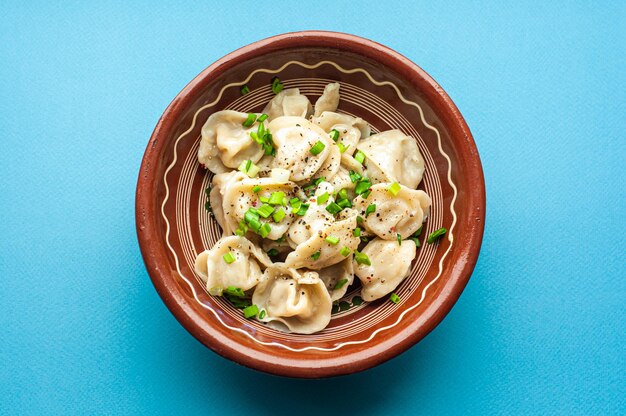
(317, 253)
(331, 165)
(226, 142)
(288, 102)
(392, 156)
(316, 217)
(341, 273)
(293, 138)
(239, 197)
(328, 120)
(293, 302)
(401, 214)
(219, 185)
(329, 100)
(391, 264)
(244, 272)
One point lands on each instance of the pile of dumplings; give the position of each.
(314, 251)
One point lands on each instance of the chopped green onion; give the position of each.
(251, 311)
(316, 255)
(359, 157)
(362, 258)
(362, 186)
(242, 229)
(216, 291)
(418, 232)
(262, 314)
(394, 298)
(255, 225)
(334, 134)
(319, 180)
(344, 306)
(207, 206)
(356, 232)
(256, 189)
(345, 251)
(342, 194)
(394, 188)
(278, 215)
(357, 300)
(244, 90)
(239, 303)
(322, 198)
(250, 120)
(359, 219)
(333, 208)
(262, 118)
(331, 239)
(340, 284)
(235, 291)
(265, 210)
(416, 241)
(295, 204)
(207, 191)
(250, 215)
(436, 235)
(264, 199)
(265, 230)
(399, 238)
(345, 203)
(260, 131)
(370, 209)
(229, 257)
(302, 210)
(354, 176)
(282, 239)
(249, 168)
(342, 147)
(276, 198)
(277, 86)
(272, 252)
(366, 193)
(317, 148)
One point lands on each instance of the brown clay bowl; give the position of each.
(388, 91)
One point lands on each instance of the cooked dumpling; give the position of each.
(329, 100)
(226, 142)
(338, 277)
(317, 252)
(316, 217)
(328, 120)
(288, 103)
(402, 213)
(392, 156)
(391, 264)
(331, 165)
(294, 137)
(299, 302)
(240, 196)
(244, 272)
(219, 186)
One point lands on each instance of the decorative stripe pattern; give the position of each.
(209, 229)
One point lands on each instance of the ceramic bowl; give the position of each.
(377, 84)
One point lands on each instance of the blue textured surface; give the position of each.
(541, 328)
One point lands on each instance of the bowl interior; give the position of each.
(360, 334)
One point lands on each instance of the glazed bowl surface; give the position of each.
(378, 85)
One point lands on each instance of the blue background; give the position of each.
(541, 327)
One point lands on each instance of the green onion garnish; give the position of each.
(418, 232)
(356, 232)
(342, 194)
(436, 235)
(207, 206)
(416, 241)
(272, 252)
(394, 188)
(359, 157)
(277, 86)
(256, 189)
(249, 120)
(265, 210)
(295, 204)
(331, 239)
(357, 300)
(262, 118)
(345, 251)
(215, 291)
(234, 291)
(370, 209)
(394, 298)
(354, 176)
(265, 230)
(251, 214)
(255, 225)
(317, 148)
(303, 209)
(322, 198)
(316, 255)
(319, 180)
(276, 198)
(359, 219)
(262, 314)
(278, 215)
(251, 311)
(362, 186)
(244, 90)
(264, 199)
(249, 168)
(333, 208)
(340, 284)
(399, 238)
(229, 257)
(342, 147)
(334, 134)
(345, 203)
(361, 258)
(242, 229)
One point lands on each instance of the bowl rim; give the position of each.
(155, 256)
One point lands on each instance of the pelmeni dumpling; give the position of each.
(328, 120)
(331, 165)
(244, 272)
(219, 186)
(288, 103)
(316, 217)
(340, 274)
(317, 252)
(329, 100)
(226, 142)
(401, 214)
(293, 301)
(392, 156)
(293, 138)
(391, 264)
(240, 196)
